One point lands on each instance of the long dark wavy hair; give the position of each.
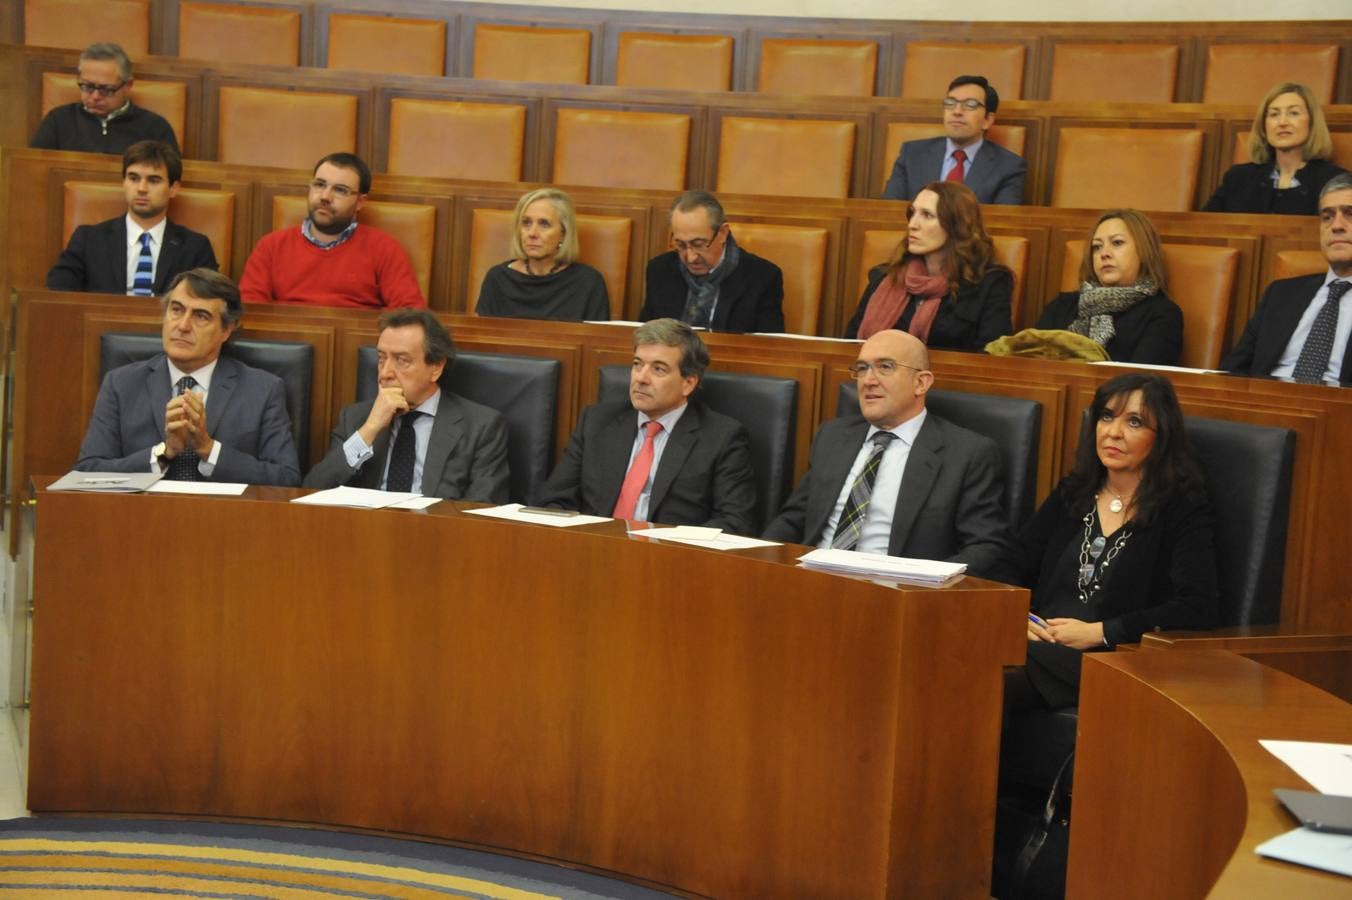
(1170, 469)
(971, 252)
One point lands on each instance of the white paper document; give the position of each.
(1317, 849)
(876, 565)
(557, 518)
(217, 488)
(106, 482)
(806, 337)
(415, 503)
(696, 536)
(1327, 767)
(358, 498)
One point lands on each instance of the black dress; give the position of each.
(1247, 188)
(574, 294)
(978, 315)
(1151, 332)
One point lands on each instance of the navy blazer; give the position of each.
(466, 453)
(246, 414)
(1269, 331)
(95, 260)
(950, 505)
(750, 299)
(995, 176)
(704, 476)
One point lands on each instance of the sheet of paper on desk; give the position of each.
(218, 488)
(852, 562)
(1327, 767)
(415, 503)
(106, 482)
(710, 538)
(516, 512)
(359, 498)
(1307, 847)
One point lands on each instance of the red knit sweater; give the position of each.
(370, 269)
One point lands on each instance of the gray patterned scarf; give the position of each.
(701, 291)
(1100, 303)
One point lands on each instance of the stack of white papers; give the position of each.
(880, 565)
(106, 482)
(1328, 768)
(215, 488)
(710, 538)
(516, 512)
(366, 498)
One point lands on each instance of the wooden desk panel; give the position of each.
(744, 728)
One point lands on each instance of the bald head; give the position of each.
(889, 400)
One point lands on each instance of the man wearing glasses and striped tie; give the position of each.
(103, 120)
(896, 479)
(140, 252)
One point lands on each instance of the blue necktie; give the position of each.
(403, 455)
(1313, 361)
(142, 284)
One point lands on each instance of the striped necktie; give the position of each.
(856, 505)
(142, 284)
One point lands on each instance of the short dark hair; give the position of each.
(992, 97)
(208, 284)
(350, 161)
(105, 50)
(437, 343)
(693, 200)
(675, 333)
(154, 153)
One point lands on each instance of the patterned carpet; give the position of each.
(112, 858)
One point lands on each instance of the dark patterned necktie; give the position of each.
(144, 280)
(856, 507)
(184, 466)
(1313, 361)
(403, 455)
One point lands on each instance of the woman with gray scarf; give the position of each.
(1121, 303)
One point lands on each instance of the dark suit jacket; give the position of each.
(995, 176)
(978, 315)
(1269, 331)
(751, 299)
(466, 453)
(246, 413)
(1150, 332)
(1247, 188)
(703, 478)
(96, 258)
(950, 506)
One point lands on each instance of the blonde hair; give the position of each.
(563, 208)
(1318, 144)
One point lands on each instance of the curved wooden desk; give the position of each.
(722, 723)
(1173, 791)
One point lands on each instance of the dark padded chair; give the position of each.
(1015, 425)
(523, 388)
(766, 406)
(291, 361)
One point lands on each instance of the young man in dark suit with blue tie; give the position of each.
(138, 253)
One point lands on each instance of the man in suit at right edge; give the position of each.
(1302, 329)
(138, 253)
(898, 480)
(993, 173)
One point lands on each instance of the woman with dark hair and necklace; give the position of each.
(942, 283)
(543, 279)
(1121, 304)
(1122, 546)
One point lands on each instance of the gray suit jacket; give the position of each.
(466, 454)
(246, 413)
(995, 176)
(950, 505)
(703, 478)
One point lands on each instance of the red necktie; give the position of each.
(637, 476)
(956, 173)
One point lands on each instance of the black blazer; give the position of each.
(751, 299)
(1151, 332)
(704, 477)
(978, 315)
(1247, 188)
(95, 260)
(1269, 331)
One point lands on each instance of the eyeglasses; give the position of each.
(884, 367)
(969, 105)
(103, 90)
(339, 190)
(699, 245)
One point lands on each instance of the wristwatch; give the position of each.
(157, 453)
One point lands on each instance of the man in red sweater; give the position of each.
(327, 260)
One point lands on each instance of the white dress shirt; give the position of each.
(1286, 367)
(876, 535)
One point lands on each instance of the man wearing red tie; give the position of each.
(663, 456)
(963, 154)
